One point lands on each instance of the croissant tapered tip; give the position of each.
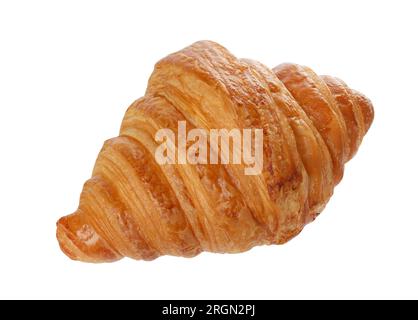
(79, 241)
(366, 108)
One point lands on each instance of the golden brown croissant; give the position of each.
(134, 207)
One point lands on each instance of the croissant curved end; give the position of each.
(80, 242)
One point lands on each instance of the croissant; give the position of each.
(132, 206)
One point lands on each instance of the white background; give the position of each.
(68, 71)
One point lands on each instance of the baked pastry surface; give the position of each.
(134, 207)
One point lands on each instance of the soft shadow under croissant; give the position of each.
(134, 207)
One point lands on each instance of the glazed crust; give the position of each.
(134, 207)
